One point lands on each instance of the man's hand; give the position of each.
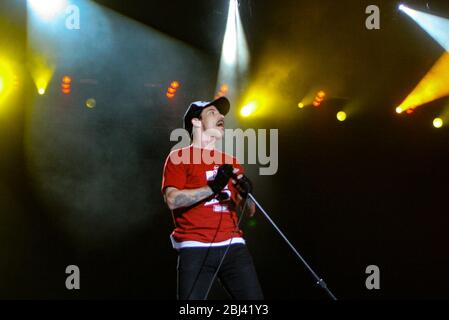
(243, 185)
(224, 173)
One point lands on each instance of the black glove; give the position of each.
(244, 186)
(224, 173)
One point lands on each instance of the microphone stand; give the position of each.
(319, 281)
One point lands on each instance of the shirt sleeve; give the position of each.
(174, 175)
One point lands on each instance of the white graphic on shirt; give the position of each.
(217, 206)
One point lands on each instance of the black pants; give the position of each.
(196, 267)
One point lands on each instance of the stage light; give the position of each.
(171, 91)
(401, 7)
(341, 116)
(234, 60)
(91, 103)
(319, 98)
(175, 84)
(15, 82)
(432, 86)
(300, 105)
(248, 109)
(66, 85)
(437, 122)
(223, 91)
(6, 79)
(42, 83)
(41, 70)
(399, 110)
(230, 40)
(437, 27)
(48, 9)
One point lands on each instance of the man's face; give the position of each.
(212, 122)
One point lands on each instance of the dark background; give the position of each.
(81, 186)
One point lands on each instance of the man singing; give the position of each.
(204, 188)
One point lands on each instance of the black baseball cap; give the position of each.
(194, 110)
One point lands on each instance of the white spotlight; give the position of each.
(235, 54)
(437, 27)
(48, 9)
(401, 7)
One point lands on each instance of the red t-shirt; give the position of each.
(209, 220)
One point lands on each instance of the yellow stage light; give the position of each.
(399, 110)
(41, 72)
(6, 79)
(300, 105)
(90, 103)
(433, 86)
(247, 110)
(341, 116)
(437, 122)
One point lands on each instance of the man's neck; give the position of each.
(207, 143)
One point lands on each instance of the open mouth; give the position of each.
(220, 124)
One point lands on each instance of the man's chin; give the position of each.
(219, 136)
(221, 132)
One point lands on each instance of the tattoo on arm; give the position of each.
(186, 199)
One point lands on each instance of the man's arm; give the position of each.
(244, 186)
(176, 198)
(249, 206)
